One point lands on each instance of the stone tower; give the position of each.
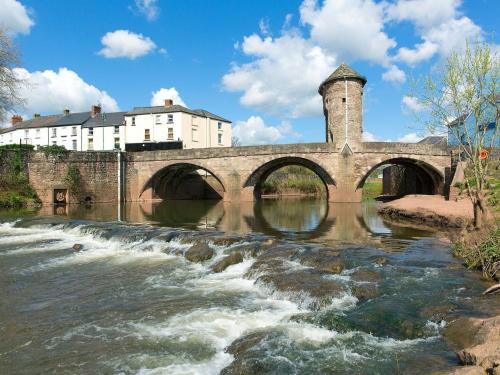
(342, 94)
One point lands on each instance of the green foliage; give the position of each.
(293, 179)
(73, 179)
(481, 250)
(54, 150)
(372, 189)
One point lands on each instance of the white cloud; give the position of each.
(394, 74)
(284, 77)
(410, 138)
(50, 92)
(352, 29)
(412, 104)
(264, 26)
(147, 8)
(254, 131)
(369, 137)
(14, 17)
(421, 52)
(124, 43)
(158, 97)
(424, 13)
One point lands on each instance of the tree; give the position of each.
(9, 82)
(463, 95)
(235, 141)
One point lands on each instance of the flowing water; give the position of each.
(130, 303)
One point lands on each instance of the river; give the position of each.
(130, 303)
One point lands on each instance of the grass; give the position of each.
(372, 189)
(293, 180)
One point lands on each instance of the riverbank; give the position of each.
(430, 210)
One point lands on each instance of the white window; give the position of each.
(194, 120)
(38, 133)
(54, 132)
(117, 129)
(63, 132)
(26, 133)
(117, 143)
(219, 126)
(91, 144)
(194, 134)
(170, 135)
(10, 136)
(74, 144)
(147, 135)
(158, 120)
(54, 143)
(91, 131)
(73, 130)
(133, 121)
(170, 119)
(219, 138)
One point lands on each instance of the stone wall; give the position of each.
(98, 170)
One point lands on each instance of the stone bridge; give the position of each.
(237, 174)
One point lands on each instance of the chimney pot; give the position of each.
(94, 110)
(15, 119)
(66, 112)
(169, 103)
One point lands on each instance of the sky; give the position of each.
(257, 63)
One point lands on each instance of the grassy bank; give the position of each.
(293, 180)
(15, 191)
(372, 189)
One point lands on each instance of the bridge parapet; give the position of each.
(405, 148)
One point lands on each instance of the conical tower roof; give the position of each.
(343, 71)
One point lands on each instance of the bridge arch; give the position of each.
(259, 175)
(179, 181)
(417, 176)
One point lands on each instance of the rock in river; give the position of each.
(323, 260)
(227, 261)
(199, 252)
(77, 247)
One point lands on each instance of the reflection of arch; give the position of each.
(259, 223)
(184, 181)
(428, 179)
(260, 175)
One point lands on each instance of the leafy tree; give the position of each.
(9, 82)
(463, 95)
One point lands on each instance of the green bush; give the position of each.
(54, 150)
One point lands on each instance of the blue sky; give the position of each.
(257, 63)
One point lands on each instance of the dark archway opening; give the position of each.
(290, 176)
(397, 177)
(185, 182)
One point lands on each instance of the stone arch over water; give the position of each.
(181, 181)
(415, 176)
(259, 175)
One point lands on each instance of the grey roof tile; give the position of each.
(105, 119)
(172, 109)
(343, 71)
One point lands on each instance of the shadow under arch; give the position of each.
(182, 181)
(257, 178)
(428, 180)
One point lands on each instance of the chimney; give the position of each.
(169, 103)
(94, 110)
(15, 119)
(66, 112)
(36, 115)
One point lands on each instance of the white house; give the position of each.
(159, 127)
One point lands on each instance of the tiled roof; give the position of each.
(343, 71)
(172, 109)
(36, 122)
(434, 140)
(72, 119)
(105, 119)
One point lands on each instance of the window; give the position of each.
(91, 131)
(133, 121)
(38, 133)
(170, 135)
(74, 144)
(91, 144)
(73, 131)
(147, 135)
(117, 143)
(219, 126)
(54, 143)
(194, 120)
(26, 133)
(343, 100)
(170, 119)
(219, 138)
(117, 129)
(158, 119)
(63, 132)
(194, 134)
(54, 132)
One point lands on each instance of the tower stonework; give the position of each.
(342, 94)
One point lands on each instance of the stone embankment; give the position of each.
(430, 210)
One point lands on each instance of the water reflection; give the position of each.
(302, 219)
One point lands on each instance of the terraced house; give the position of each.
(143, 128)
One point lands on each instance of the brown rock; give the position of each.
(199, 252)
(227, 261)
(243, 344)
(366, 275)
(365, 291)
(225, 241)
(325, 260)
(77, 247)
(381, 261)
(438, 312)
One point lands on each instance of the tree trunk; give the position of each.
(479, 212)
